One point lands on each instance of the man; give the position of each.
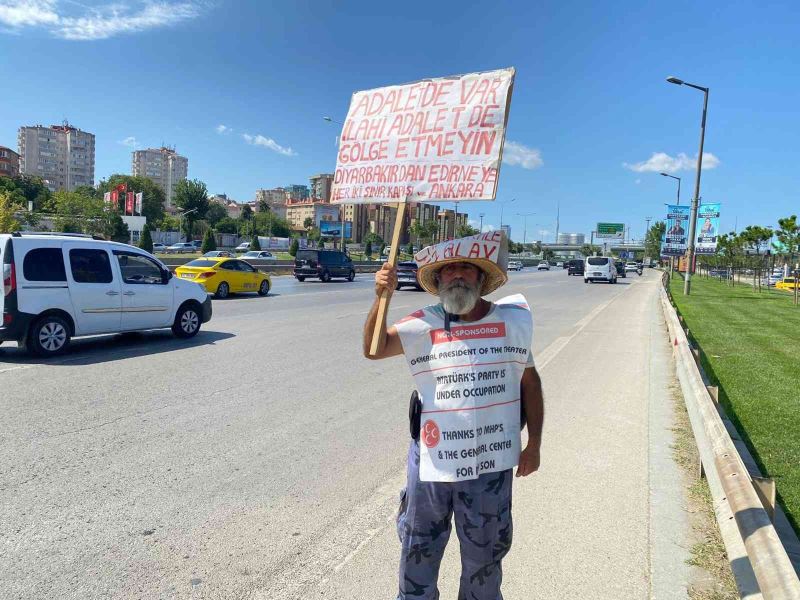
(473, 370)
(676, 229)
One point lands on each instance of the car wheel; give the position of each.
(187, 321)
(326, 277)
(223, 290)
(49, 336)
(300, 278)
(351, 276)
(263, 289)
(397, 287)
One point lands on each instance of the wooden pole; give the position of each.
(383, 303)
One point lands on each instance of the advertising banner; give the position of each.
(138, 203)
(435, 139)
(115, 199)
(610, 230)
(128, 203)
(334, 229)
(707, 228)
(675, 238)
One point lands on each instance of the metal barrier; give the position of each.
(770, 563)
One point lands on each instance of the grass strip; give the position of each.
(750, 347)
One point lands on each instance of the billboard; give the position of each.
(334, 229)
(610, 230)
(707, 228)
(432, 140)
(677, 230)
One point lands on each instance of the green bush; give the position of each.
(254, 244)
(368, 249)
(410, 249)
(146, 240)
(209, 243)
(294, 247)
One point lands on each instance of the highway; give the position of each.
(263, 459)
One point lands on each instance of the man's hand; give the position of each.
(528, 461)
(386, 279)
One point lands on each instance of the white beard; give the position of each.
(459, 298)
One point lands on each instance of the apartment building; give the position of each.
(274, 198)
(320, 186)
(62, 155)
(9, 162)
(297, 211)
(163, 166)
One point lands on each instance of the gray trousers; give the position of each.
(482, 509)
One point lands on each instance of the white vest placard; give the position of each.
(469, 384)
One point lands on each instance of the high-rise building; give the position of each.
(297, 192)
(507, 229)
(62, 155)
(320, 186)
(163, 166)
(275, 199)
(9, 162)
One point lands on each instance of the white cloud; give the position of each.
(486, 226)
(515, 153)
(661, 161)
(260, 140)
(129, 141)
(222, 129)
(95, 23)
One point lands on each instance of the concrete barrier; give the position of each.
(764, 570)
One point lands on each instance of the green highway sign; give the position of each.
(610, 230)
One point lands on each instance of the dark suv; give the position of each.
(407, 274)
(575, 267)
(324, 264)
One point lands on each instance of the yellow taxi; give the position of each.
(787, 283)
(223, 276)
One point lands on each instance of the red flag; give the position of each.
(129, 203)
(122, 187)
(115, 199)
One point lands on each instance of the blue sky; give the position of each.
(591, 114)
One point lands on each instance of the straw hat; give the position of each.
(487, 251)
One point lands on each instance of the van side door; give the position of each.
(93, 288)
(147, 292)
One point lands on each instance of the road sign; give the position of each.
(611, 230)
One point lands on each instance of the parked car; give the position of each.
(243, 247)
(515, 265)
(599, 268)
(543, 266)
(575, 267)
(620, 267)
(257, 254)
(158, 247)
(407, 274)
(721, 273)
(60, 286)
(197, 244)
(181, 247)
(219, 254)
(225, 276)
(324, 264)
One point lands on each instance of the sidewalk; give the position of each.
(604, 518)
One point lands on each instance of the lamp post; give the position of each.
(525, 226)
(481, 216)
(679, 185)
(501, 203)
(341, 207)
(180, 218)
(687, 285)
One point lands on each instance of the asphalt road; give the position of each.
(263, 458)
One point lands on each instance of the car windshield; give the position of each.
(200, 262)
(307, 255)
(596, 261)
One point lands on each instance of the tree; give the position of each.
(247, 212)
(548, 254)
(169, 223)
(215, 213)
(368, 249)
(8, 210)
(294, 247)
(146, 240)
(410, 249)
(320, 243)
(789, 237)
(227, 225)
(589, 249)
(263, 206)
(191, 195)
(209, 243)
(308, 223)
(27, 188)
(423, 232)
(254, 243)
(116, 229)
(153, 197)
(756, 237)
(76, 213)
(652, 239)
(466, 230)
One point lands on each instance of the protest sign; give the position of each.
(432, 140)
(707, 228)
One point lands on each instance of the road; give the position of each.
(263, 459)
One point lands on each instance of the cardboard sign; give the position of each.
(435, 140)
(483, 245)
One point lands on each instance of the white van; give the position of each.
(599, 268)
(60, 286)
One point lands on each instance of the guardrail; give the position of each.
(773, 570)
(273, 267)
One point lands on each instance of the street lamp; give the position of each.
(341, 208)
(696, 198)
(180, 218)
(501, 203)
(525, 226)
(481, 216)
(679, 185)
